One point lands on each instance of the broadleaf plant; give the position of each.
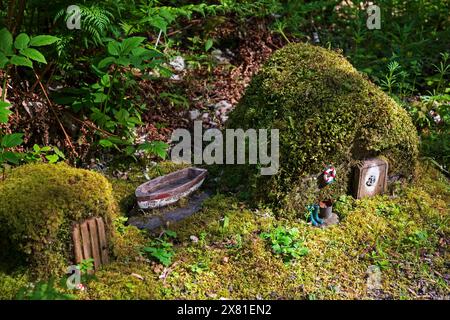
(19, 52)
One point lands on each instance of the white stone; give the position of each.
(194, 114)
(223, 106)
(178, 63)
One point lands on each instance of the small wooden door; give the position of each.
(90, 242)
(370, 178)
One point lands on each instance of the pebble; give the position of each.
(137, 276)
(176, 77)
(178, 63)
(218, 58)
(223, 106)
(194, 114)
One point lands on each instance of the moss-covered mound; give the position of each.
(327, 113)
(39, 203)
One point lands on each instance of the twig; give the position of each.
(56, 115)
(92, 126)
(167, 271)
(41, 75)
(159, 38)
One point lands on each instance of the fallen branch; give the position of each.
(92, 126)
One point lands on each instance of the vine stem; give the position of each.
(110, 88)
(5, 83)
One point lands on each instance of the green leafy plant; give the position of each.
(442, 69)
(391, 78)
(4, 111)
(43, 290)
(387, 209)
(48, 154)
(160, 249)
(431, 115)
(96, 21)
(343, 205)
(7, 143)
(418, 239)
(108, 101)
(86, 266)
(21, 52)
(223, 225)
(199, 267)
(286, 243)
(119, 224)
(380, 257)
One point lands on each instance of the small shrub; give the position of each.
(285, 242)
(43, 290)
(160, 249)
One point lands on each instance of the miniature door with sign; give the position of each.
(370, 178)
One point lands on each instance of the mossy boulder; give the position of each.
(326, 113)
(38, 205)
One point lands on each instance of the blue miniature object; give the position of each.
(314, 215)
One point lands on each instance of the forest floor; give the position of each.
(387, 247)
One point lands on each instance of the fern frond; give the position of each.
(95, 22)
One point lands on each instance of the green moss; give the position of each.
(117, 282)
(327, 113)
(39, 203)
(10, 285)
(393, 233)
(404, 235)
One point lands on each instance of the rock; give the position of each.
(373, 278)
(332, 220)
(229, 52)
(176, 77)
(223, 118)
(281, 95)
(216, 52)
(194, 239)
(205, 116)
(194, 114)
(218, 57)
(178, 64)
(223, 106)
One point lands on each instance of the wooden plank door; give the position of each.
(90, 242)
